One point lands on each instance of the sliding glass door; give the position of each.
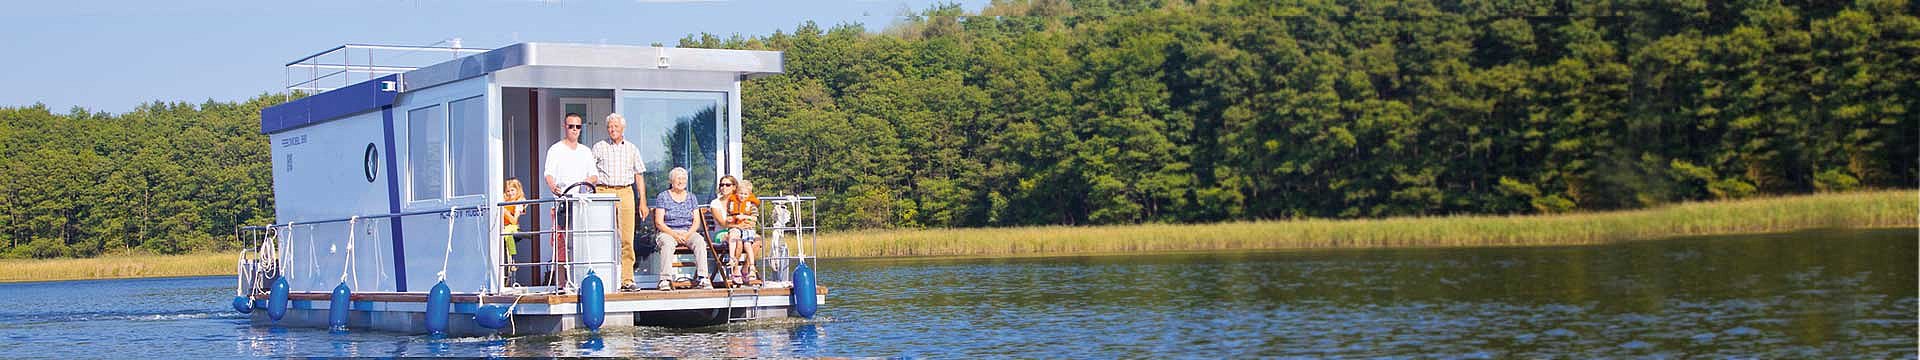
(678, 129)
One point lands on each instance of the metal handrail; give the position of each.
(453, 49)
(553, 263)
(360, 59)
(563, 200)
(419, 212)
(561, 232)
(804, 227)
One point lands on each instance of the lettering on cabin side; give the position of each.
(465, 213)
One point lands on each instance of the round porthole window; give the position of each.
(372, 166)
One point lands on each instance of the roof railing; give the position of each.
(353, 63)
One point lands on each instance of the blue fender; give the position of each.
(491, 316)
(277, 300)
(241, 304)
(338, 306)
(439, 304)
(593, 301)
(805, 303)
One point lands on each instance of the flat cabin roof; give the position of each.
(541, 65)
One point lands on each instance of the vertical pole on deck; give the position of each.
(533, 157)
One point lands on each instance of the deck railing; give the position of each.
(352, 63)
(787, 242)
(782, 254)
(271, 257)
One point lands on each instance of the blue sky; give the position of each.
(114, 55)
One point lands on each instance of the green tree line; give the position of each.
(1108, 111)
(163, 178)
(1104, 111)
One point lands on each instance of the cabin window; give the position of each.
(468, 120)
(426, 144)
(678, 128)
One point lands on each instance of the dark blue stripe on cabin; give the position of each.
(327, 106)
(393, 203)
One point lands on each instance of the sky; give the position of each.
(113, 56)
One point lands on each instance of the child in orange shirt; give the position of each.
(510, 215)
(744, 208)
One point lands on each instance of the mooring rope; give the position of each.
(347, 266)
(452, 216)
(380, 272)
(313, 247)
(287, 272)
(513, 308)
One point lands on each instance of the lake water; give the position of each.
(1802, 295)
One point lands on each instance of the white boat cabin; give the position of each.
(414, 159)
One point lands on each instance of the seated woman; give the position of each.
(675, 225)
(728, 206)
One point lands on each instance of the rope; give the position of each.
(347, 266)
(240, 274)
(513, 308)
(286, 259)
(380, 271)
(313, 249)
(448, 258)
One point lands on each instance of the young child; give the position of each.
(510, 218)
(744, 207)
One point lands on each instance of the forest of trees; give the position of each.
(1104, 112)
(163, 178)
(1085, 112)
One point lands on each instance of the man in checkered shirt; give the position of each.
(620, 168)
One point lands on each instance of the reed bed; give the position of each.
(1872, 209)
(117, 266)
(1869, 209)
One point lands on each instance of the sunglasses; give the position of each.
(573, 127)
(725, 184)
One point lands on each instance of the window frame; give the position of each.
(412, 175)
(722, 125)
(479, 145)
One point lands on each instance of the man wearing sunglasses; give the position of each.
(568, 162)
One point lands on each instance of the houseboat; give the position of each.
(388, 192)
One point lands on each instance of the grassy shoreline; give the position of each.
(1857, 210)
(1870, 209)
(116, 267)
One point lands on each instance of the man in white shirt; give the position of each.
(568, 162)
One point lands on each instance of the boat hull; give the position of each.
(537, 314)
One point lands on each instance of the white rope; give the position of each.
(347, 266)
(240, 273)
(448, 258)
(313, 249)
(512, 308)
(287, 272)
(380, 271)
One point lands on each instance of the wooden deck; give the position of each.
(550, 299)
